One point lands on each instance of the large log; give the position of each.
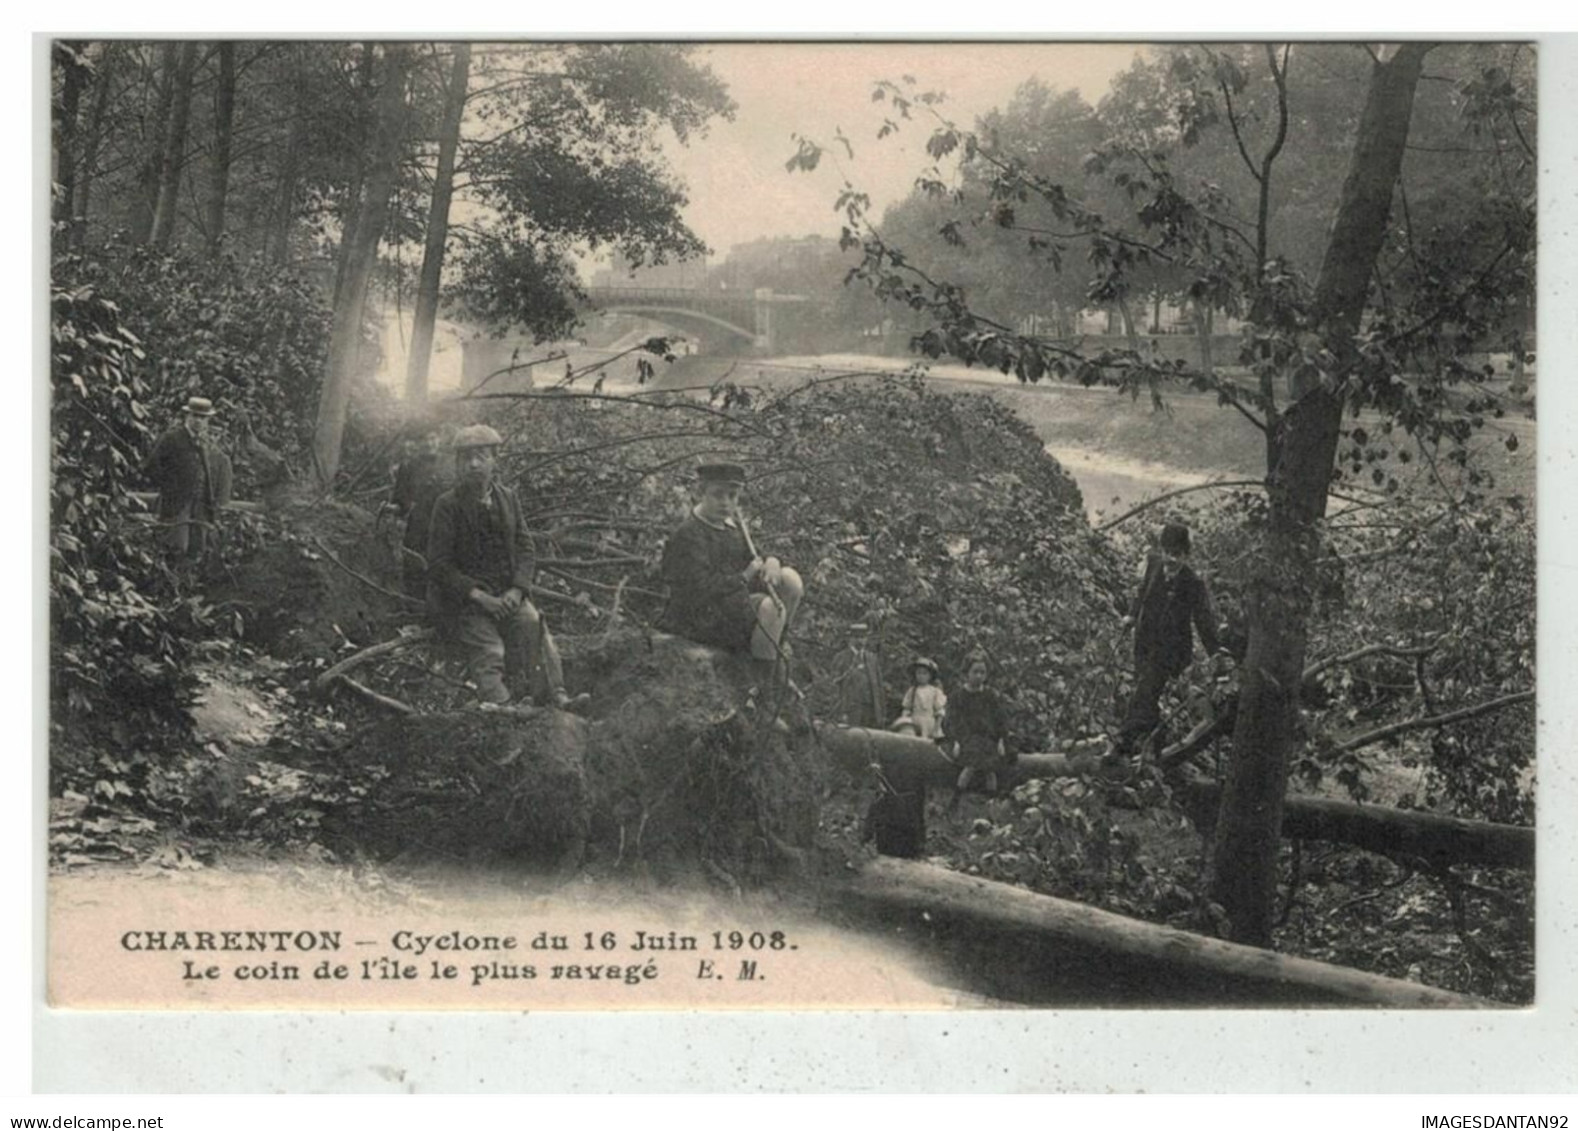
(1378, 828)
(856, 748)
(1028, 946)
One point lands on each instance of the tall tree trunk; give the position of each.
(383, 171)
(156, 135)
(69, 58)
(1129, 330)
(174, 155)
(350, 219)
(1244, 854)
(81, 205)
(283, 212)
(1204, 316)
(224, 131)
(437, 230)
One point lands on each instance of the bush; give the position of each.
(243, 332)
(117, 628)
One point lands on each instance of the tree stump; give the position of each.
(674, 772)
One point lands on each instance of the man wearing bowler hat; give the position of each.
(180, 467)
(1173, 604)
(720, 591)
(862, 701)
(479, 569)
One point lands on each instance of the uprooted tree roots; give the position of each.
(672, 773)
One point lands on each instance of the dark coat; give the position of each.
(179, 467)
(1166, 615)
(458, 548)
(418, 484)
(861, 699)
(709, 600)
(977, 720)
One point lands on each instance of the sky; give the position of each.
(739, 189)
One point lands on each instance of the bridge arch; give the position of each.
(683, 319)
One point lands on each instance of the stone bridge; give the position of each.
(713, 316)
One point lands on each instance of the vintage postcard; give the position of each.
(737, 526)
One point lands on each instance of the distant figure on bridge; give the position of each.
(1173, 603)
(480, 567)
(720, 591)
(181, 467)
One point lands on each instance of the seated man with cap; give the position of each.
(721, 592)
(180, 466)
(479, 568)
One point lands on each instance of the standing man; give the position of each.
(720, 593)
(861, 700)
(1173, 603)
(179, 466)
(480, 566)
(418, 482)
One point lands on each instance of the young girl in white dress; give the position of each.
(925, 702)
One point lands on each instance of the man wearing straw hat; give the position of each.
(179, 466)
(721, 592)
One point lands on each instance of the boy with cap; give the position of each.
(1173, 603)
(180, 467)
(480, 567)
(720, 591)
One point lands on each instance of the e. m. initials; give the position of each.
(707, 970)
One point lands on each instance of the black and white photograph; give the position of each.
(751, 525)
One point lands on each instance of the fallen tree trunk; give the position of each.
(1062, 951)
(856, 748)
(1378, 828)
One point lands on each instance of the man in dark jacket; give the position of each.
(1173, 603)
(720, 592)
(418, 482)
(480, 567)
(180, 467)
(862, 701)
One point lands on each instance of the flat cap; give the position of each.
(477, 436)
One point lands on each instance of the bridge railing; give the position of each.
(683, 296)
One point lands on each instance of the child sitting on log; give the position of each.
(721, 592)
(978, 725)
(925, 703)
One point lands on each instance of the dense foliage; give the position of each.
(247, 334)
(118, 628)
